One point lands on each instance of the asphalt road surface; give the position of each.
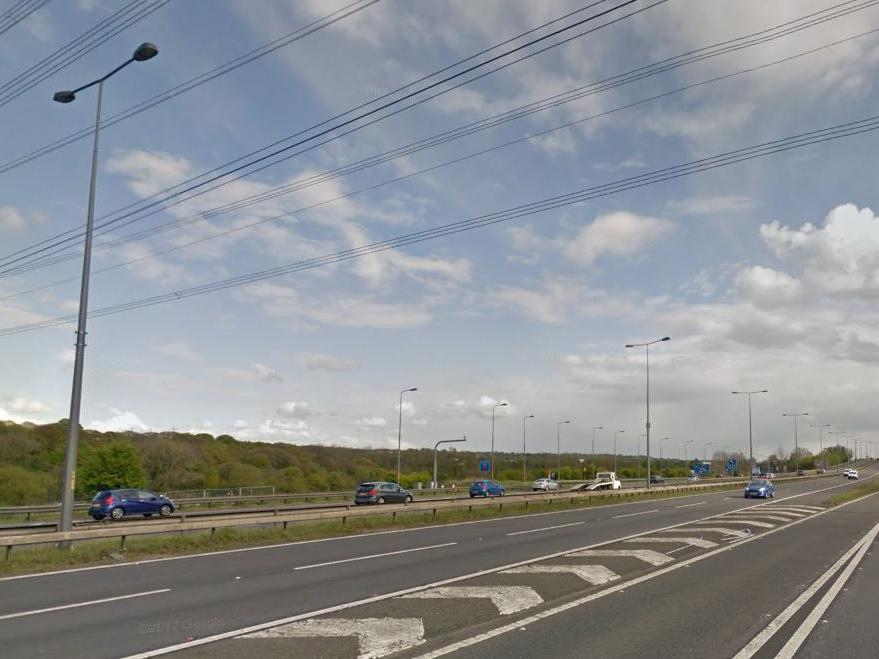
(708, 575)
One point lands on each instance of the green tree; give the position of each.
(19, 487)
(108, 466)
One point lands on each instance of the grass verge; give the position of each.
(42, 558)
(857, 492)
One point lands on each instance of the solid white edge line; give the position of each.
(10, 616)
(690, 505)
(546, 528)
(371, 556)
(763, 637)
(646, 512)
(377, 598)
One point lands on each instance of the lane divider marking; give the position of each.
(10, 616)
(372, 556)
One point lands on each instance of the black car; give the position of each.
(656, 479)
(381, 492)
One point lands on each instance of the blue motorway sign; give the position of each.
(731, 465)
(484, 465)
(700, 468)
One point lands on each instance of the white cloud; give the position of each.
(767, 287)
(148, 171)
(717, 205)
(240, 424)
(295, 410)
(321, 362)
(267, 374)
(120, 422)
(24, 405)
(371, 422)
(620, 234)
(179, 350)
(11, 218)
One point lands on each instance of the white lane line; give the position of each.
(646, 512)
(715, 529)
(507, 599)
(149, 654)
(371, 556)
(750, 522)
(594, 574)
(377, 637)
(21, 614)
(769, 631)
(546, 528)
(695, 542)
(646, 555)
(520, 624)
(690, 505)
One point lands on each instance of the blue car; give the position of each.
(117, 504)
(760, 488)
(487, 488)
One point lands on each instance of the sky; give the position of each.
(765, 274)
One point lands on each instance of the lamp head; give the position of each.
(64, 97)
(145, 51)
(665, 338)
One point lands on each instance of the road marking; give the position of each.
(764, 636)
(9, 616)
(597, 575)
(507, 599)
(371, 556)
(385, 596)
(759, 515)
(695, 542)
(715, 529)
(646, 555)
(524, 622)
(793, 512)
(546, 528)
(751, 522)
(809, 509)
(377, 637)
(646, 512)
(690, 505)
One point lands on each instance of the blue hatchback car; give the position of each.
(117, 504)
(760, 488)
(487, 488)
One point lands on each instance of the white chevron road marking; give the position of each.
(774, 518)
(713, 529)
(378, 637)
(594, 574)
(696, 542)
(789, 510)
(507, 599)
(727, 520)
(646, 555)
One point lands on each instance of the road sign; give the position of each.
(700, 468)
(484, 465)
(731, 465)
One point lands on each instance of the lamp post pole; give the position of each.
(615, 433)
(400, 433)
(493, 408)
(524, 419)
(558, 448)
(646, 347)
(751, 428)
(144, 52)
(435, 447)
(796, 439)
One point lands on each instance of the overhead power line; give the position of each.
(18, 12)
(689, 57)
(725, 159)
(189, 185)
(73, 50)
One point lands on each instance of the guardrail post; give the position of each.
(8, 551)
(122, 543)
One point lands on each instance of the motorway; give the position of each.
(730, 571)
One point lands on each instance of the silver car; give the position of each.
(544, 484)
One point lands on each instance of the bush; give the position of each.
(108, 466)
(20, 487)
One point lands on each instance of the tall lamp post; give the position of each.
(615, 433)
(820, 427)
(400, 432)
(594, 428)
(751, 428)
(558, 448)
(435, 447)
(144, 52)
(524, 419)
(493, 408)
(796, 439)
(646, 347)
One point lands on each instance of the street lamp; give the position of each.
(400, 432)
(750, 428)
(646, 347)
(796, 441)
(524, 419)
(144, 52)
(821, 427)
(660, 453)
(558, 448)
(435, 446)
(594, 428)
(493, 408)
(615, 433)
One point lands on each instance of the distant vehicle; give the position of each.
(381, 492)
(656, 479)
(693, 479)
(487, 488)
(853, 474)
(604, 480)
(545, 484)
(801, 472)
(760, 488)
(117, 504)
(847, 472)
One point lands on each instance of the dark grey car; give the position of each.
(381, 492)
